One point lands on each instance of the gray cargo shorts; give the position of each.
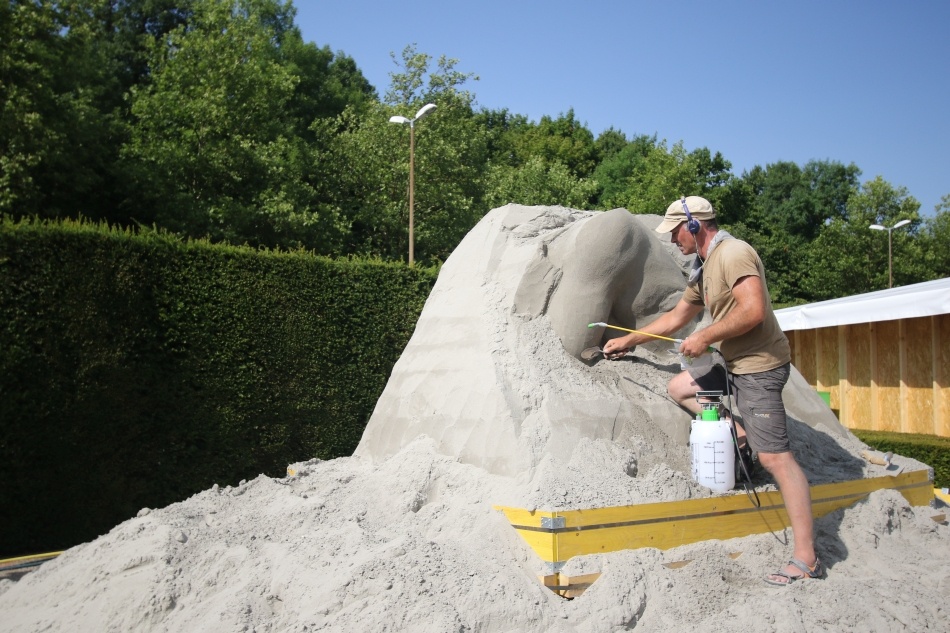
(759, 400)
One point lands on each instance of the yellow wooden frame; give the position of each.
(559, 535)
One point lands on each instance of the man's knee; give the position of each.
(677, 393)
(681, 387)
(773, 461)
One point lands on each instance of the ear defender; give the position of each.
(691, 225)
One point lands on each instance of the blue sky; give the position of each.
(856, 82)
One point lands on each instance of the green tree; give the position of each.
(783, 208)
(58, 133)
(538, 182)
(934, 237)
(126, 30)
(713, 173)
(645, 175)
(369, 157)
(213, 142)
(734, 201)
(615, 171)
(327, 83)
(848, 258)
(798, 201)
(502, 129)
(609, 143)
(415, 84)
(563, 140)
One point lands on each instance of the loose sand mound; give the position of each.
(490, 405)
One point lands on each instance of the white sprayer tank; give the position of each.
(714, 460)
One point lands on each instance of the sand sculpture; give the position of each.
(464, 379)
(490, 404)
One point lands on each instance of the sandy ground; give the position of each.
(488, 407)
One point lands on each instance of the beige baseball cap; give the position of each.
(699, 209)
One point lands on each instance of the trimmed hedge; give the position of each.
(137, 369)
(929, 449)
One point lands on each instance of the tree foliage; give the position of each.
(366, 165)
(800, 200)
(210, 138)
(56, 122)
(413, 83)
(538, 182)
(935, 236)
(847, 257)
(643, 176)
(214, 118)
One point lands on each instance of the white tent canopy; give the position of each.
(918, 300)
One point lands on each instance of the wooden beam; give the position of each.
(917, 375)
(941, 345)
(886, 376)
(857, 410)
(568, 586)
(807, 357)
(827, 366)
(558, 536)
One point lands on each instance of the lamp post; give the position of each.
(890, 260)
(423, 111)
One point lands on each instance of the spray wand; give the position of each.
(678, 341)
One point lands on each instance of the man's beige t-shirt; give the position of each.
(763, 347)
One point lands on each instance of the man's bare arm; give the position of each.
(675, 319)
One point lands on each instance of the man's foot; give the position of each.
(795, 570)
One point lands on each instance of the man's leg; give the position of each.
(796, 494)
(760, 401)
(682, 388)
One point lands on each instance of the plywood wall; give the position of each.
(882, 376)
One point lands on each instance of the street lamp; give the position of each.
(890, 265)
(423, 111)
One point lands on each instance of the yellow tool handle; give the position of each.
(665, 338)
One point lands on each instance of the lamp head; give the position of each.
(424, 110)
(877, 227)
(399, 119)
(901, 223)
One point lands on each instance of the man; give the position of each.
(728, 277)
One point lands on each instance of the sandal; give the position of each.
(817, 571)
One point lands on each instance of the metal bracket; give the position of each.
(553, 523)
(549, 569)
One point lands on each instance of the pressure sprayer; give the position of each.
(711, 443)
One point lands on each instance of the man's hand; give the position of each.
(694, 345)
(616, 348)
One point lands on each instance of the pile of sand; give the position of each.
(490, 405)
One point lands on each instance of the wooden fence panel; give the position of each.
(941, 345)
(886, 376)
(856, 408)
(882, 376)
(826, 358)
(917, 402)
(806, 356)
